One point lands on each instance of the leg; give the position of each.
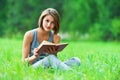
(73, 62)
(51, 61)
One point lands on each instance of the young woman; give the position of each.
(48, 28)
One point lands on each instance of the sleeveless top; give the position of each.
(35, 43)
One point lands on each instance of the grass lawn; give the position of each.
(99, 61)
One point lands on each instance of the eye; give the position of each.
(47, 20)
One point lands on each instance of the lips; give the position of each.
(48, 27)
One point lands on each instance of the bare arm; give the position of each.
(56, 38)
(26, 48)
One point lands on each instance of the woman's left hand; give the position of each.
(52, 50)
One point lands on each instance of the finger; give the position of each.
(53, 49)
(50, 50)
(46, 50)
(56, 48)
(36, 54)
(36, 49)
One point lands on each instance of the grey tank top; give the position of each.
(35, 43)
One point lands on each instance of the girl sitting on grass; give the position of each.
(48, 28)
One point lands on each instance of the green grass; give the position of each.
(100, 61)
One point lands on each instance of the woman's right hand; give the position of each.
(35, 52)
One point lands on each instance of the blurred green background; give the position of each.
(80, 19)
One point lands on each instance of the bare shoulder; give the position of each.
(56, 38)
(28, 36)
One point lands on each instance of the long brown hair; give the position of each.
(55, 14)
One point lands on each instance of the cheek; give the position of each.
(52, 26)
(43, 24)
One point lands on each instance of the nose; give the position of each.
(49, 24)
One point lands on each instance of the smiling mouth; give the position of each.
(48, 27)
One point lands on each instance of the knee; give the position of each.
(74, 61)
(77, 60)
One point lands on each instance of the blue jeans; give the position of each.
(53, 62)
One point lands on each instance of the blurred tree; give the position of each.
(103, 28)
(76, 16)
(3, 12)
(100, 29)
(23, 15)
(115, 29)
(99, 18)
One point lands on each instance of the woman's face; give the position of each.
(48, 23)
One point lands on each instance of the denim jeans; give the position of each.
(53, 62)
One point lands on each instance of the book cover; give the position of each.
(45, 45)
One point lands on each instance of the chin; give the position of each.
(47, 30)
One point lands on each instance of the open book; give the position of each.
(45, 45)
